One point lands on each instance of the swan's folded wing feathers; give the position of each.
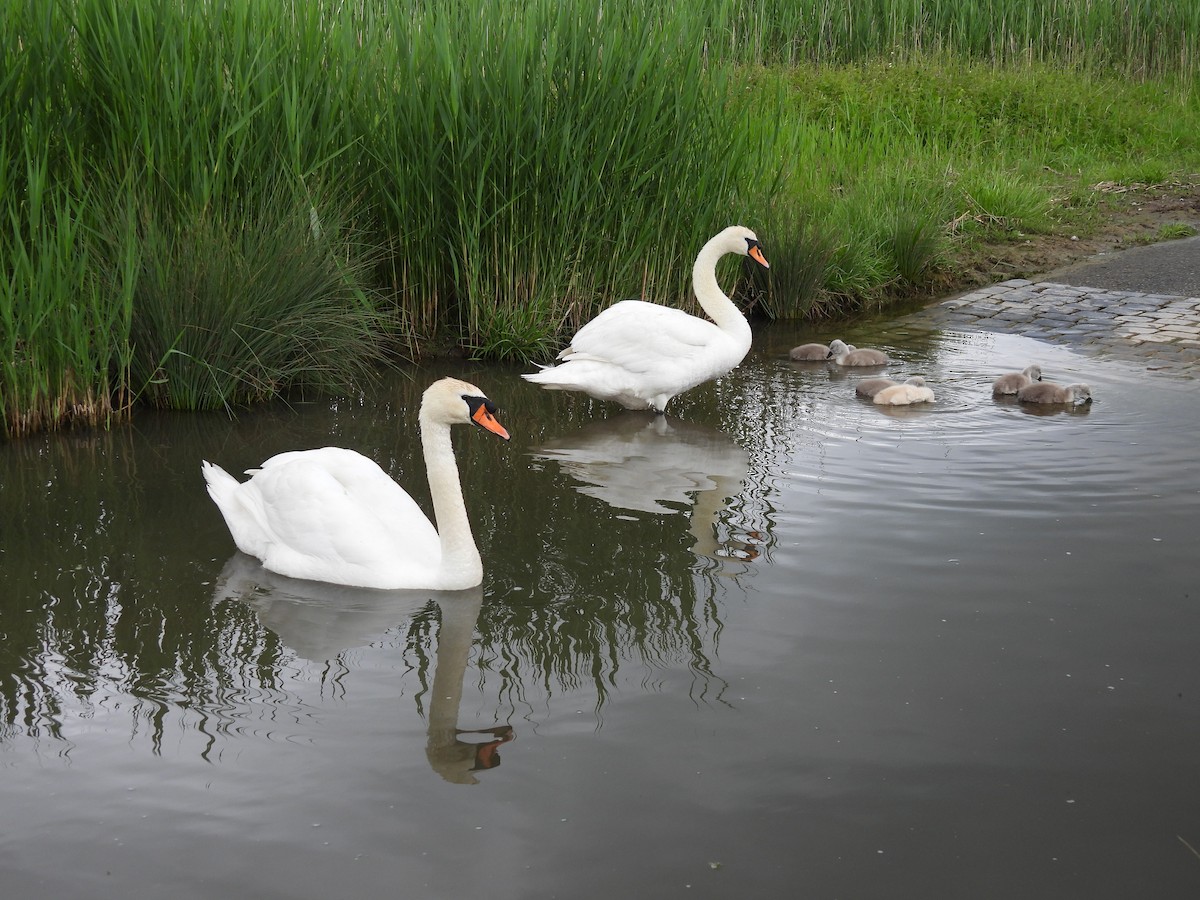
(352, 513)
(639, 336)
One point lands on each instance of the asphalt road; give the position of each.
(1170, 267)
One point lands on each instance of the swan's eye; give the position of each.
(473, 404)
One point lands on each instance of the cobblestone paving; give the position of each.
(1159, 331)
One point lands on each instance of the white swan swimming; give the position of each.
(848, 355)
(333, 515)
(1044, 392)
(642, 354)
(1014, 381)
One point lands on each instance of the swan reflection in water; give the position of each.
(320, 621)
(642, 462)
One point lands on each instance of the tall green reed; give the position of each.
(181, 145)
(64, 306)
(1142, 38)
(548, 158)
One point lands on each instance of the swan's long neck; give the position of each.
(461, 566)
(710, 296)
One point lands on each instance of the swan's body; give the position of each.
(847, 355)
(333, 515)
(642, 354)
(1042, 392)
(810, 353)
(869, 387)
(1014, 381)
(911, 391)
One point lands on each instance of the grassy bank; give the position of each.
(208, 204)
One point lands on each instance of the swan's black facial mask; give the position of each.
(483, 414)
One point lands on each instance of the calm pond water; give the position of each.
(779, 643)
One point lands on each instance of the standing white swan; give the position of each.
(642, 354)
(333, 515)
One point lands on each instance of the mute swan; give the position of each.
(903, 394)
(642, 354)
(333, 515)
(846, 355)
(1042, 392)
(809, 352)
(1014, 381)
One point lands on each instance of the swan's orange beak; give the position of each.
(756, 254)
(485, 419)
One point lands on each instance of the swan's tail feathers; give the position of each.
(547, 379)
(243, 516)
(544, 375)
(221, 484)
(556, 378)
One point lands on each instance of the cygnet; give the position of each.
(846, 355)
(1014, 381)
(869, 387)
(1043, 392)
(809, 352)
(904, 394)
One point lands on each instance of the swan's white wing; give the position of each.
(327, 513)
(372, 489)
(641, 337)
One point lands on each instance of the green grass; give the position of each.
(898, 165)
(232, 310)
(1175, 231)
(487, 176)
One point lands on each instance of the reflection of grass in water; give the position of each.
(99, 637)
(572, 644)
(1189, 846)
(90, 611)
(606, 590)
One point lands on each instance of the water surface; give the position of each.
(781, 642)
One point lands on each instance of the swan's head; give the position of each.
(739, 239)
(450, 401)
(1033, 373)
(837, 348)
(1079, 393)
